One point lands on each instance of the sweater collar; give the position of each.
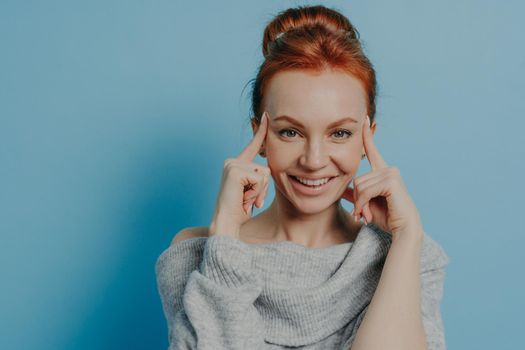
(321, 290)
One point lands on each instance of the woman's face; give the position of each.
(315, 132)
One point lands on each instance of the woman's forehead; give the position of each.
(303, 94)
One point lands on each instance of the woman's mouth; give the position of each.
(311, 187)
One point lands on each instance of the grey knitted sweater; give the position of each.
(221, 293)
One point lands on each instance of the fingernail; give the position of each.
(368, 119)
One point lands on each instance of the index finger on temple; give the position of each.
(252, 149)
(372, 153)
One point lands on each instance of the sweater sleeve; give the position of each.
(218, 301)
(433, 263)
(432, 282)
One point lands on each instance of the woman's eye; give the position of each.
(284, 131)
(342, 132)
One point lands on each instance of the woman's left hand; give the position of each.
(380, 196)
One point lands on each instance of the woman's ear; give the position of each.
(254, 125)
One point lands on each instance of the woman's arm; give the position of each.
(393, 317)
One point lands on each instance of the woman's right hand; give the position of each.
(243, 184)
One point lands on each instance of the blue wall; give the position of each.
(116, 116)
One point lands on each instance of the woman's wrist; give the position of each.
(220, 226)
(413, 233)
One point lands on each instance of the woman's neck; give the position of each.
(328, 227)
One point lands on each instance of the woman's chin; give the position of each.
(311, 205)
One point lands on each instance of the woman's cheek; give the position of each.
(279, 154)
(348, 158)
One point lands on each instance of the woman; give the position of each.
(305, 273)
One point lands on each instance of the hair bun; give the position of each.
(306, 20)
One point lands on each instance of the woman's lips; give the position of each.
(310, 190)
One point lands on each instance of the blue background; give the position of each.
(116, 117)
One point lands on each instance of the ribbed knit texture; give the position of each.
(220, 293)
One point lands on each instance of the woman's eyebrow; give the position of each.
(331, 125)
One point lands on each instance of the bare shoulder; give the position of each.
(190, 232)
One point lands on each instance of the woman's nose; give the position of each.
(315, 156)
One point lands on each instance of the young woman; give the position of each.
(306, 273)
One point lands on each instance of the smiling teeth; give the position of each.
(313, 182)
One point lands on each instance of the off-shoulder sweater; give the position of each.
(221, 293)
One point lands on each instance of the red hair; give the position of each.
(312, 38)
